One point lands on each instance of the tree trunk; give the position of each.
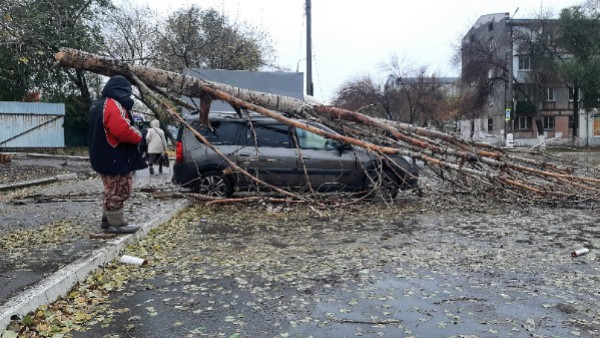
(174, 82)
(539, 125)
(575, 111)
(466, 163)
(472, 128)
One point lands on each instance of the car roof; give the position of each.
(254, 116)
(232, 116)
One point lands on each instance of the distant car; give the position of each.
(266, 148)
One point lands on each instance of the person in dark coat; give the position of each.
(113, 149)
(143, 146)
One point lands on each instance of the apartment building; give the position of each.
(514, 95)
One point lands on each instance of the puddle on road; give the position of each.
(431, 307)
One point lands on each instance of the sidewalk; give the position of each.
(45, 227)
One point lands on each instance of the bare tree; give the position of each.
(362, 94)
(417, 97)
(131, 34)
(536, 41)
(485, 70)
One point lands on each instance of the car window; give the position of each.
(221, 133)
(310, 140)
(268, 135)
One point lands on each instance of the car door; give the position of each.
(267, 153)
(221, 134)
(325, 163)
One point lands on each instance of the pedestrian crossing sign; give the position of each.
(507, 116)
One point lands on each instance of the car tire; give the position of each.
(385, 182)
(214, 183)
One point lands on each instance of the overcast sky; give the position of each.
(353, 38)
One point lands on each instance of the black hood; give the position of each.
(119, 88)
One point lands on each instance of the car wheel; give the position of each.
(382, 183)
(214, 183)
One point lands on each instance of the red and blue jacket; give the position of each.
(113, 138)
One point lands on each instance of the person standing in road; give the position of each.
(143, 146)
(157, 146)
(113, 148)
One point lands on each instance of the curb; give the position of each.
(54, 156)
(60, 283)
(45, 180)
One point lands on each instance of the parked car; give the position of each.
(267, 149)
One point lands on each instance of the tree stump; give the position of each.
(5, 158)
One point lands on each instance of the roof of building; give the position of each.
(35, 108)
(440, 80)
(279, 83)
(485, 19)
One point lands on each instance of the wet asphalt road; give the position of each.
(46, 227)
(413, 270)
(436, 266)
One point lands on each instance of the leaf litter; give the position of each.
(418, 268)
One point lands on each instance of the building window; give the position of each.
(549, 122)
(572, 95)
(549, 94)
(491, 26)
(524, 62)
(490, 125)
(492, 44)
(491, 98)
(523, 123)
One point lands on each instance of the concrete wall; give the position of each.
(589, 129)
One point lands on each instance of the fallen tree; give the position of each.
(465, 164)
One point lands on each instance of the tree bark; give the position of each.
(575, 111)
(175, 82)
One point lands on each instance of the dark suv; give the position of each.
(280, 155)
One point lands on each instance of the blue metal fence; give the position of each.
(32, 125)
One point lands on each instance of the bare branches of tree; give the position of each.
(409, 95)
(131, 34)
(470, 166)
(364, 95)
(419, 96)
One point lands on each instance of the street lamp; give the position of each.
(298, 65)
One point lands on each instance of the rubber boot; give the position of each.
(151, 169)
(117, 223)
(104, 221)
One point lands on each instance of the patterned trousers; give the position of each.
(117, 190)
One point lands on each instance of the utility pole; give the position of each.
(309, 82)
(510, 108)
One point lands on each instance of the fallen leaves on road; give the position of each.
(369, 270)
(22, 246)
(13, 172)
